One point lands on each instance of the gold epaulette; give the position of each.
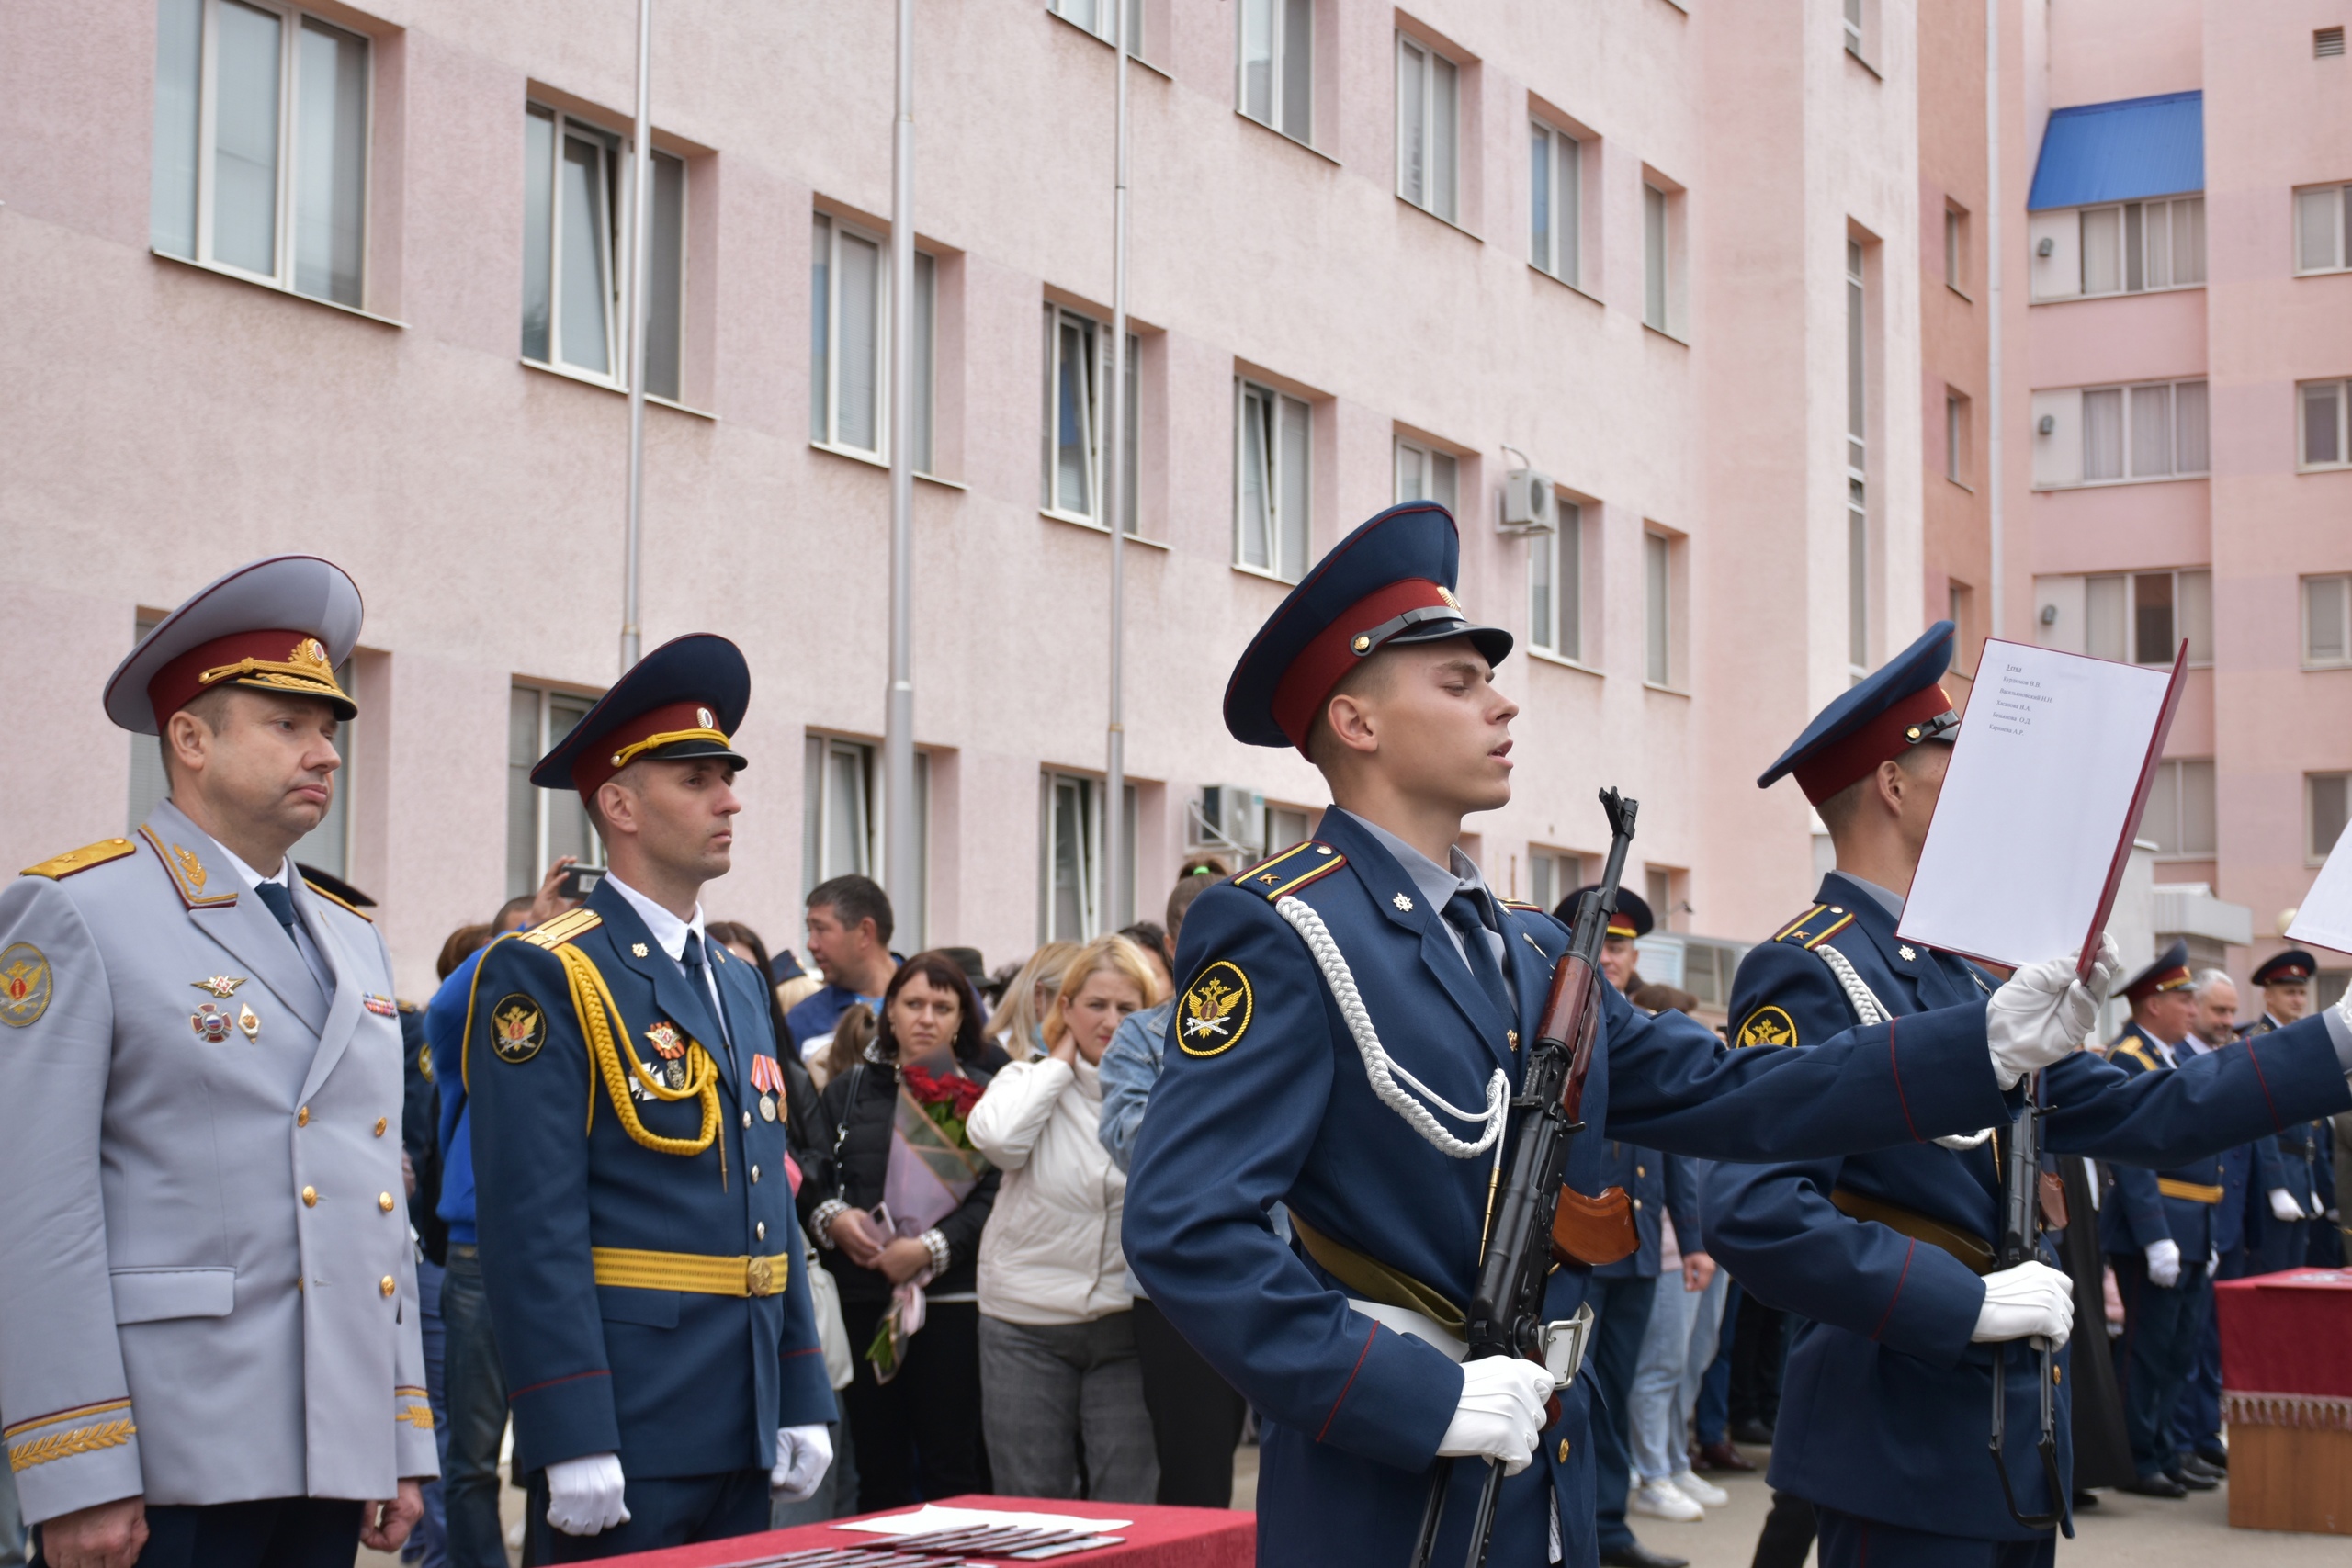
(59, 868)
(1527, 908)
(569, 925)
(1816, 926)
(2127, 1046)
(1287, 873)
(340, 903)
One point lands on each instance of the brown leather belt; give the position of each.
(1975, 1254)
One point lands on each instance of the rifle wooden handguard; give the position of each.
(1593, 1231)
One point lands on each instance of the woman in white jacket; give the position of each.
(1058, 1345)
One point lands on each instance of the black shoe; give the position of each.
(2083, 1499)
(1634, 1554)
(2190, 1479)
(2214, 1459)
(1752, 1432)
(2193, 1464)
(2158, 1485)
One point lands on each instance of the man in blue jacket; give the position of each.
(639, 1241)
(1349, 1034)
(1889, 1256)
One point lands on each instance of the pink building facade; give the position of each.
(344, 279)
(2181, 319)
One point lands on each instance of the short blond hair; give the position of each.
(1119, 955)
(1017, 1022)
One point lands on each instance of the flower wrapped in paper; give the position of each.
(933, 1169)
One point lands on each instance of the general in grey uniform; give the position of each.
(209, 1335)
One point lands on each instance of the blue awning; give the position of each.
(2121, 152)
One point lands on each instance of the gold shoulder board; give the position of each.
(59, 868)
(566, 927)
(1293, 869)
(338, 903)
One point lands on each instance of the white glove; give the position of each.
(1502, 1413)
(2164, 1263)
(2030, 1300)
(2284, 1207)
(803, 1454)
(2042, 1013)
(584, 1494)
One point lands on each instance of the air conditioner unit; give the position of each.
(1231, 817)
(1527, 502)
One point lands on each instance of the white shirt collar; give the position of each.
(254, 878)
(668, 932)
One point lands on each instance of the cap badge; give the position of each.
(221, 986)
(703, 717)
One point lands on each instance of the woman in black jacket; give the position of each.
(923, 1426)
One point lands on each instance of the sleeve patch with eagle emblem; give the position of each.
(1215, 1012)
(517, 1028)
(1769, 1026)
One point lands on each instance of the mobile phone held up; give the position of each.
(579, 881)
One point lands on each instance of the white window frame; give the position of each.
(2338, 586)
(1105, 23)
(1425, 473)
(2124, 214)
(1659, 665)
(2068, 411)
(1430, 83)
(2334, 201)
(1089, 888)
(2315, 853)
(1282, 116)
(1553, 875)
(2171, 789)
(1096, 335)
(283, 272)
(1555, 572)
(826, 359)
(2191, 598)
(1857, 521)
(1289, 542)
(1662, 269)
(1555, 233)
(2342, 392)
(616, 171)
(1956, 248)
(1958, 411)
(820, 803)
(1286, 826)
(544, 803)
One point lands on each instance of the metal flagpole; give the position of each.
(640, 179)
(902, 864)
(1116, 894)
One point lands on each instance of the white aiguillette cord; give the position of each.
(1389, 1080)
(1869, 1010)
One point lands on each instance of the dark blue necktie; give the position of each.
(1462, 912)
(699, 977)
(281, 904)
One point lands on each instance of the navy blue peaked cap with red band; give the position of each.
(2286, 968)
(1388, 583)
(2168, 973)
(1899, 705)
(685, 699)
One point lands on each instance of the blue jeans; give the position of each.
(474, 1390)
(428, 1544)
(1711, 1418)
(1622, 1308)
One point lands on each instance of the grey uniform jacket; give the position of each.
(208, 1291)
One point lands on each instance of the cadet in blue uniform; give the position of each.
(1346, 1043)
(639, 1245)
(2306, 1153)
(1889, 1254)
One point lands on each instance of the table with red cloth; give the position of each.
(1159, 1538)
(2287, 1393)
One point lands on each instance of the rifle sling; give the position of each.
(1972, 1253)
(1375, 1280)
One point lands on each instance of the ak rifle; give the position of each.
(1505, 1316)
(2021, 1243)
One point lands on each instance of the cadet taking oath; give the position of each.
(2299, 1229)
(208, 1338)
(639, 1245)
(1890, 1254)
(1374, 1118)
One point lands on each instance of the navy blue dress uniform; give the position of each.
(639, 1245)
(2306, 1150)
(1622, 1295)
(1269, 1097)
(1883, 1416)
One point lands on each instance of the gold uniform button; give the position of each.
(385, 1285)
(1637, 1205)
(1640, 1170)
(1564, 1450)
(310, 1197)
(760, 1231)
(384, 1201)
(303, 1117)
(381, 1125)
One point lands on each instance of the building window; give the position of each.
(1276, 85)
(1423, 473)
(1285, 826)
(1854, 28)
(1069, 862)
(1658, 280)
(1271, 481)
(1553, 875)
(1427, 127)
(2327, 621)
(575, 249)
(2143, 245)
(849, 341)
(1078, 362)
(2324, 443)
(1957, 430)
(2323, 223)
(2328, 801)
(1960, 606)
(1956, 246)
(2327, 43)
(542, 825)
(261, 146)
(1658, 598)
(2120, 435)
(1100, 18)
(2180, 816)
(841, 818)
(2141, 617)
(1858, 532)
(1555, 582)
(1556, 191)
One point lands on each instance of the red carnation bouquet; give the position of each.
(933, 1169)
